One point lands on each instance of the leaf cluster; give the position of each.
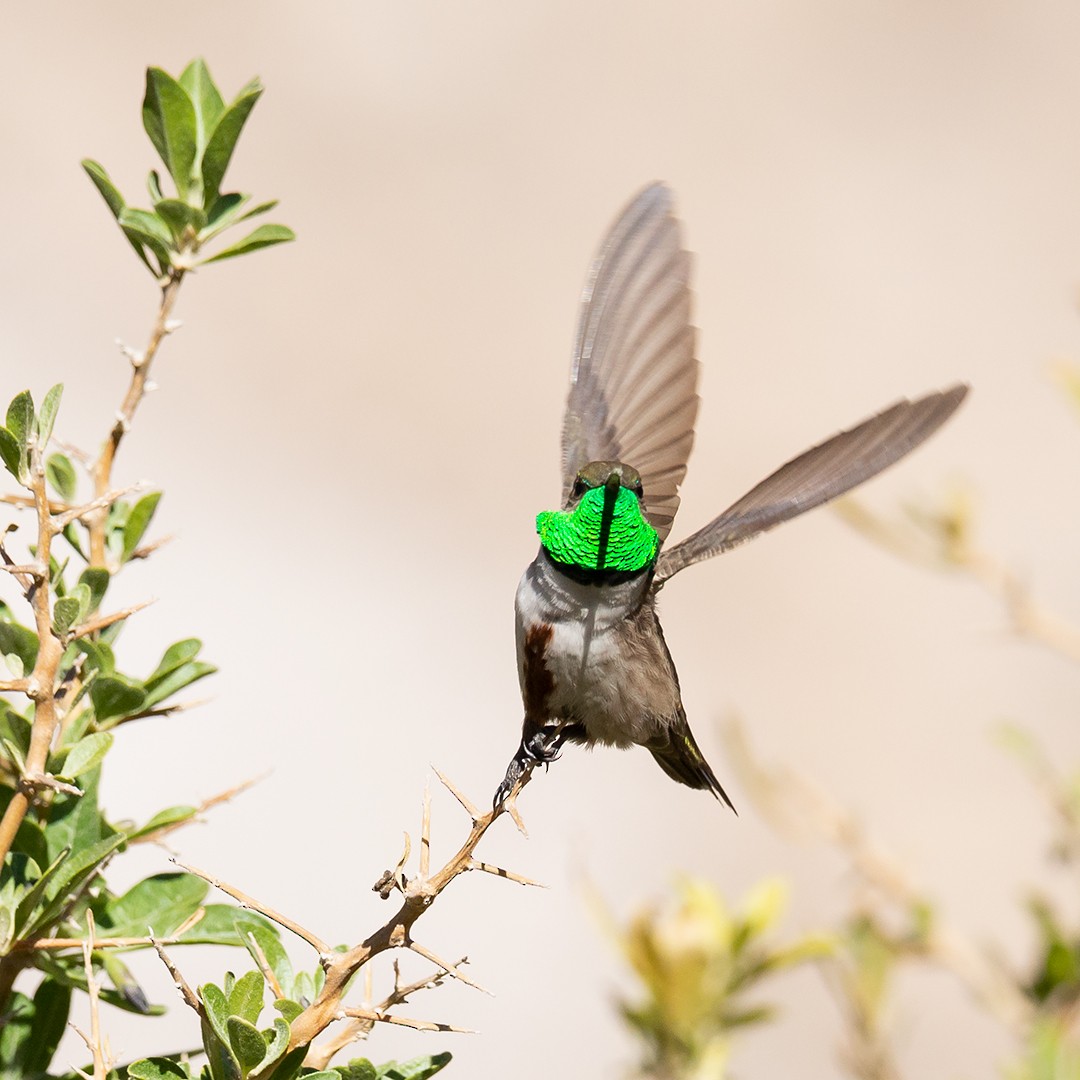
(195, 134)
(171, 1068)
(53, 876)
(700, 964)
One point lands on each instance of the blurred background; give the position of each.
(355, 432)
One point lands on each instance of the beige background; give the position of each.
(354, 434)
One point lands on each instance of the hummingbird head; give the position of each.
(603, 527)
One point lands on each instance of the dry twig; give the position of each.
(339, 967)
(93, 1040)
(942, 540)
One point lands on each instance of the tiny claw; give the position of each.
(513, 774)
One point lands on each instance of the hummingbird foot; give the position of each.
(539, 746)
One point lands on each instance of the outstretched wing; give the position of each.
(633, 379)
(815, 477)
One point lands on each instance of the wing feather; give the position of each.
(816, 476)
(633, 380)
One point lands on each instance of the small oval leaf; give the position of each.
(61, 476)
(263, 236)
(86, 754)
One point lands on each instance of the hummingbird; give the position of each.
(592, 661)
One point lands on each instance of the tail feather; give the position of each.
(678, 755)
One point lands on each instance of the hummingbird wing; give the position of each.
(633, 378)
(816, 476)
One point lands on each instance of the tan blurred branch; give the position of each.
(942, 540)
(796, 806)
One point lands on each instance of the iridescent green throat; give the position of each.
(574, 536)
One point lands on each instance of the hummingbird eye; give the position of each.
(639, 491)
(580, 487)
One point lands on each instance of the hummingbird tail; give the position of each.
(678, 755)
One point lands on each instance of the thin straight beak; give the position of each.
(611, 493)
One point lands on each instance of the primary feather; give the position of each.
(633, 379)
(821, 473)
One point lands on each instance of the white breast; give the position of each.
(597, 681)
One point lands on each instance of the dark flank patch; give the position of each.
(539, 682)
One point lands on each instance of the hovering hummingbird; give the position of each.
(592, 660)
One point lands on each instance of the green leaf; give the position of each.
(179, 216)
(153, 186)
(71, 535)
(225, 211)
(358, 1069)
(157, 1069)
(99, 656)
(222, 924)
(417, 1069)
(65, 614)
(20, 418)
(11, 454)
(15, 756)
(174, 815)
(15, 728)
(176, 655)
(77, 822)
(83, 595)
(138, 521)
(71, 973)
(96, 579)
(80, 866)
(160, 689)
(259, 938)
(162, 902)
(20, 424)
(289, 1009)
(261, 208)
(52, 1004)
(223, 139)
(169, 120)
(47, 415)
(113, 199)
(246, 997)
(206, 98)
(68, 874)
(143, 227)
(61, 474)
(303, 987)
(17, 639)
(86, 753)
(115, 202)
(116, 695)
(221, 1063)
(278, 1043)
(217, 1009)
(124, 982)
(16, 1035)
(246, 1041)
(263, 236)
(29, 903)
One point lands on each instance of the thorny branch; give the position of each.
(140, 373)
(358, 1028)
(418, 894)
